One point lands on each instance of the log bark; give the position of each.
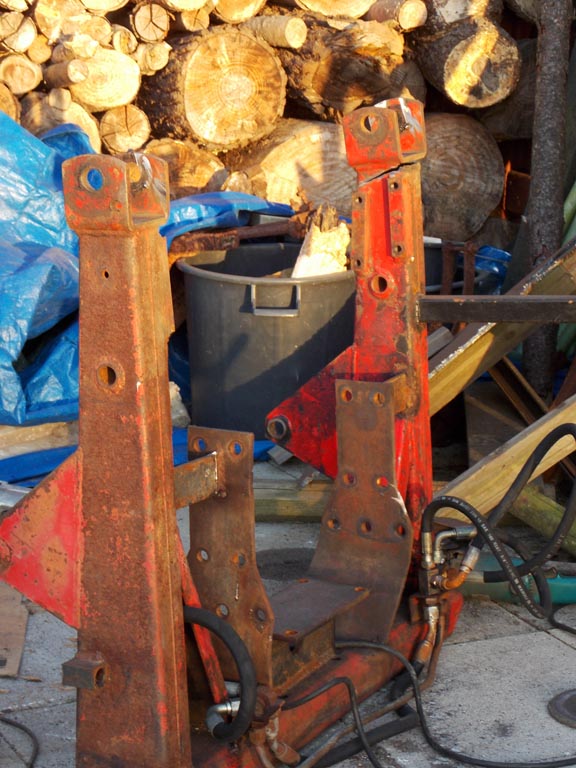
(150, 22)
(124, 128)
(64, 74)
(191, 169)
(473, 62)
(302, 163)
(340, 69)
(113, 81)
(19, 73)
(525, 9)
(443, 13)
(9, 104)
(237, 11)
(16, 5)
(408, 14)
(223, 88)
(279, 31)
(41, 112)
(352, 9)
(462, 176)
(513, 117)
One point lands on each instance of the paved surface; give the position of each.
(495, 677)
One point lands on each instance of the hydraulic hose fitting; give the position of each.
(424, 650)
(453, 578)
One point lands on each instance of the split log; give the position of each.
(65, 73)
(113, 81)
(124, 128)
(473, 62)
(191, 21)
(443, 13)
(51, 16)
(17, 32)
(76, 47)
(279, 31)
(41, 112)
(103, 6)
(302, 163)
(408, 14)
(19, 73)
(224, 88)
(40, 50)
(151, 57)
(525, 9)
(237, 11)
(16, 5)
(184, 6)
(190, 169)
(123, 39)
(9, 104)
(462, 176)
(97, 27)
(150, 22)
(340, 69)
(352, 9)
(513, 117)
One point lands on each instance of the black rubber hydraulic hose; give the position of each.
(247, 674)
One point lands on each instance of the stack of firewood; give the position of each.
(249, 94)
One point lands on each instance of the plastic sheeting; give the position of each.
(39, 268)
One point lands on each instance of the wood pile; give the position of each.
(249, 94)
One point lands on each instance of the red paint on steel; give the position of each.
(387, 256)
(41, 544)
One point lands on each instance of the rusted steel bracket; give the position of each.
(498, 309)
(96, 543)
(383, 144)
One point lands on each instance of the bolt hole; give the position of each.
(365, 526)
(240, 559)
(199, 444)
(398, 250)
(105, 274)
(349, 478)
(107, 376)
(400, 530)
(394, 186)
(382, 482)
(379, 285)
(379, 399)
(261, 614)
(278, 428)
(333, 523)
(223, 611)
(92, 180)
(369, 123)
(235, 448)
(202, 556)
(359, 200)
(346, 394)
(99, 677)
(357, 263)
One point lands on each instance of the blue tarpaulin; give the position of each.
(39, 268)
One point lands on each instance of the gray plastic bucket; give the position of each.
(255, 335)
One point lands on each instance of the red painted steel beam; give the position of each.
(387, 255)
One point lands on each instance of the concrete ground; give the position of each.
(495, 677)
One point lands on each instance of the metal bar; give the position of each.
(497, 309)
(131, 620)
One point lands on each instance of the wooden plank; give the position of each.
(13, 622)
(485, 483)
(478, 347)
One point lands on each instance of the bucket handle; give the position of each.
(275, 311)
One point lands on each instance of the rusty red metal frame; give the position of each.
(97, 544)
